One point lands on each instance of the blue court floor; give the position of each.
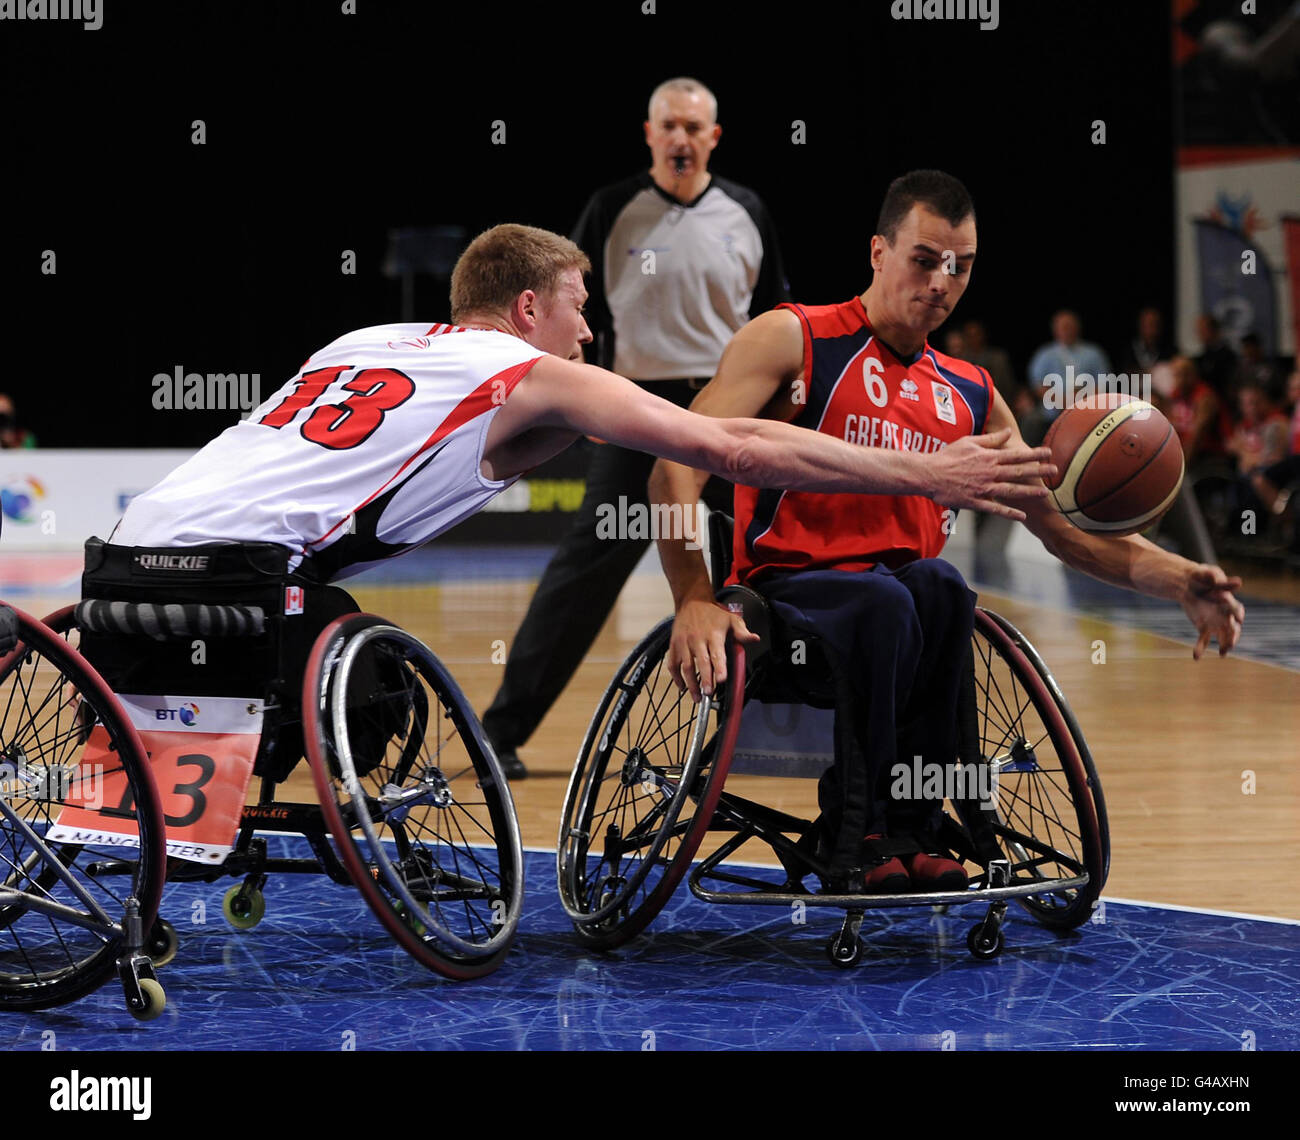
(319, 973)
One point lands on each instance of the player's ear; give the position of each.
(524, 310)
(878, 244)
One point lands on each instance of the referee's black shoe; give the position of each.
(511, 765)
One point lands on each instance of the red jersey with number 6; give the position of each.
(857, 388)
(374, 447)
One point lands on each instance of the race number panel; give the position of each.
(201, 751)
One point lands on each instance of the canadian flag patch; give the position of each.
(292, 600)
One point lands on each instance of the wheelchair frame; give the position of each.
(458, 920)
(603, 877)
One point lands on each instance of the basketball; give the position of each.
(1119, 464)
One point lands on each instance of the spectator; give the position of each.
(996, 363)
(1273, 484)
(1052, 367)
(1197, 415)
(11, 435)
(1254, 368)
(1149, 346)
(1260, 438)
(1217, 362)
(1259, 444)
(1202, 426)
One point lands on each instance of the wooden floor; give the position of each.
(1178, 743)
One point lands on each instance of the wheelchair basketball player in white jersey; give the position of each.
(391, 435)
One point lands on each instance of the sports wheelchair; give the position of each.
(232, 668)
(648, 786)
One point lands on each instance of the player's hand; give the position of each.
(982, 473)
(1209, 602)
(697, 651)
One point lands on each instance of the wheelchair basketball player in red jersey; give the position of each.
(861, 573)
(391, 435)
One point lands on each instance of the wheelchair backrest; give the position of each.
(199, 621)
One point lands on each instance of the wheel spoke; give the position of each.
(440, 853)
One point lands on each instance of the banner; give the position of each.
(1237, 125)
(1236, 284)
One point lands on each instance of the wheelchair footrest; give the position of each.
(863, 901)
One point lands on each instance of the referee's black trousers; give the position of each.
(579, 587)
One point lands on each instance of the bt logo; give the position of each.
(18, 499)
(186, 714)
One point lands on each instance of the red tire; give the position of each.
(427, 831)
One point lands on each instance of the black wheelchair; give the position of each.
(648, 786)
(224, 637)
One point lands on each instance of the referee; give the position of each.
(681, 259)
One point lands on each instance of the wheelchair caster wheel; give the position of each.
(243, 909)
(154, 1001)
(982, 944)
(610, 890)
(844, 953)
(163, 943)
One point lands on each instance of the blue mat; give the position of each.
(320, 973)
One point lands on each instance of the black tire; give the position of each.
(50, 702)
(982, 944)
(1048, 816)
(163, 943)
(844, 953)
(645, 786)
(423, 820)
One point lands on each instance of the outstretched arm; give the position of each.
(764, 453)
(1205, 592)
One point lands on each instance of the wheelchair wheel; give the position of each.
(63, 926)
(643, 792)
(1048, 815)
(415, 798)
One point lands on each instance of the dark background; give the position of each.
(325, 130)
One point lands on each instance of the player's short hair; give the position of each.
(939, 192)
(690, 87)
(502, 262)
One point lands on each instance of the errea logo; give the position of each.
(908, 390)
